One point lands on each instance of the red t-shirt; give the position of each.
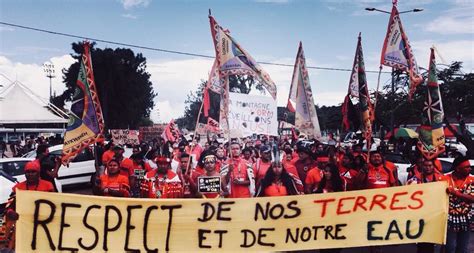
(239, 172)
(118, 182)
(313, 178)
(260, 168)
(379, 177)
(126, 167)
(348, 175)
(43, 186)
(303, 168)
(274, 190)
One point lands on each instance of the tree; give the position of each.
(123, 84)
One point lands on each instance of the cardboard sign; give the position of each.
(69, 222)
(150, 133)
(249, 114)
(209, 184)
(125, 136)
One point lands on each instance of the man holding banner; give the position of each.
(239, 179)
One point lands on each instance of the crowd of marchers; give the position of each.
(266, 166)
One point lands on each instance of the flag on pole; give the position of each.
(232, 59)
(397, 52)
(171, 132)
(300, 99)
(358, 89)
(431, 133)
(86, 123)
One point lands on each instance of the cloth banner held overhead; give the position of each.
(396, 215)
(125, 136)
(397, 52)
(250, 114)
(300, 99)
(171, 132)
(431, 133)
(86, 122)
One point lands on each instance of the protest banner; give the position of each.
(397, 215)
(150, 133)
(125, 136)
(209, 184)
(249, 114)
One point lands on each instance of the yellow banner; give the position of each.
(398, 215)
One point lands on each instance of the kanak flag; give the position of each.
(397, 52)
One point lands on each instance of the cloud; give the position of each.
(453, 21)
(130, 16)
(129, 4)
(6, 29)
(457, 50)
(33, 76)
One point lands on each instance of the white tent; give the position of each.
(19, 106)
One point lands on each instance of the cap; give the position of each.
(33, 166)
(265, 149)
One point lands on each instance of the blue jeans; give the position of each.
(457, 242)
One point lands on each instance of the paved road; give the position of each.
(408, 248)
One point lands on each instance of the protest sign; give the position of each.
(249, 114)
(397, 215)
(125, 136)
(209, 184)
(150, 133)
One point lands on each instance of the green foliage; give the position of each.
(123, 84)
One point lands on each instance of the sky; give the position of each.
(269, 30)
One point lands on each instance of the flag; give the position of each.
(397, 52)
(86, 123)
(300, 99)
(431, 133)
(349, 114)
(232, 59)
(171, 132)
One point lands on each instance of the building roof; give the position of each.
(18, 106)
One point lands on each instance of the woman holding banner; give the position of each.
(112, 183)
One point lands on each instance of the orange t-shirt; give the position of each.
(274, 190)
(379, 177)
(107, 156)
(43, 186)
(239, 172)
(260, 168)
(118, 182)
(126, 167)
(313, 177)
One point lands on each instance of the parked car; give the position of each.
(6, 184)
(402, 164)
(447, 164)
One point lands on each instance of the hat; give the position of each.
(33, 166)
(265, 149)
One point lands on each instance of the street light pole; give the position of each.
(392, 116)
(49, 70)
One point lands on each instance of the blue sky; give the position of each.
(268, 29)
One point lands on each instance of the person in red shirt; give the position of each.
(347, 171)
(162, 182)
(262, 164)
(108, 154)
(428, 173)
(112, 183)
(126, 164)
(209, 162)
(33, 182)
(305, 161)
(239, 181)
(417, 169)
(461, 197)
(377, 175)
(277, 182)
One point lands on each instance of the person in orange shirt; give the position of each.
(209, 162)
(239, 181)
(417, 169)
(112, 183)
(428, 173)
(305, 161)
(277, 182)
(377, 175)
(347, 171)
(33, 182)
(108, 154)
(126, 164)
(461, 197)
